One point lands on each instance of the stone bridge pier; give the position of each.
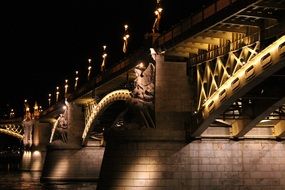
(69, 161)
(153, 158)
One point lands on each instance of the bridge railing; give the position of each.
(193, 20)
(222, 50)
(112, 72)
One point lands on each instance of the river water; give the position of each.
(19, 180)
(13, 177)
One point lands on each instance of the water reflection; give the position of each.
(10, 158)
(21, 170)
(32, 160)
(31, 181)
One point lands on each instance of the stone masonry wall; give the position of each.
(172, 94)
(73, 164)
(201, 164)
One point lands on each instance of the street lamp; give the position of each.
(157, 12)
(49, 99)
(57, 93)
(65, 87)
(12, 113)
(76, 80)
(104, 58)
(125, 38)
(27, 109)
(89, 68)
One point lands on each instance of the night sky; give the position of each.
(44, 42)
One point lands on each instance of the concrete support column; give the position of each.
(172, 94)
(41, 135)
(75, 124)
(70, 161)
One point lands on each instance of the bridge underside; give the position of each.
(204, 33)
(260, 113)
(216, 48)
(249, 104)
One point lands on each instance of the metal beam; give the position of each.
(216, 132)
(214, 20)
(217, 34)
(258, 15)
(238, 126)
(279, 129)
(272, 5)
(180, 54)
(190, 44)
(206, 116)
(262, 109)
(243, 22)
(203, 40)
(185, 49)
(230, 28)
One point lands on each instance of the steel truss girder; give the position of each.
(213, 74)
(264, 64)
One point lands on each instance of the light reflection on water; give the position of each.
(17, 180)
(32, 160)
(24, 173)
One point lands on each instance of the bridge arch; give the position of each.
(98, 109)
(265, 63)
(14, 130)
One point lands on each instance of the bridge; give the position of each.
(12, 128)
(200, 106)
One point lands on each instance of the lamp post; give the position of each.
(36, 111)
(49, 99)
(104, 59)
(125, 38)
(27, 114)
(89, 69)
(157, 12)
(76, 80)
(57, 94)
(27, 109)
(65, 88)
(12, 113)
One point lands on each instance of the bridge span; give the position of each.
(200, 106)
